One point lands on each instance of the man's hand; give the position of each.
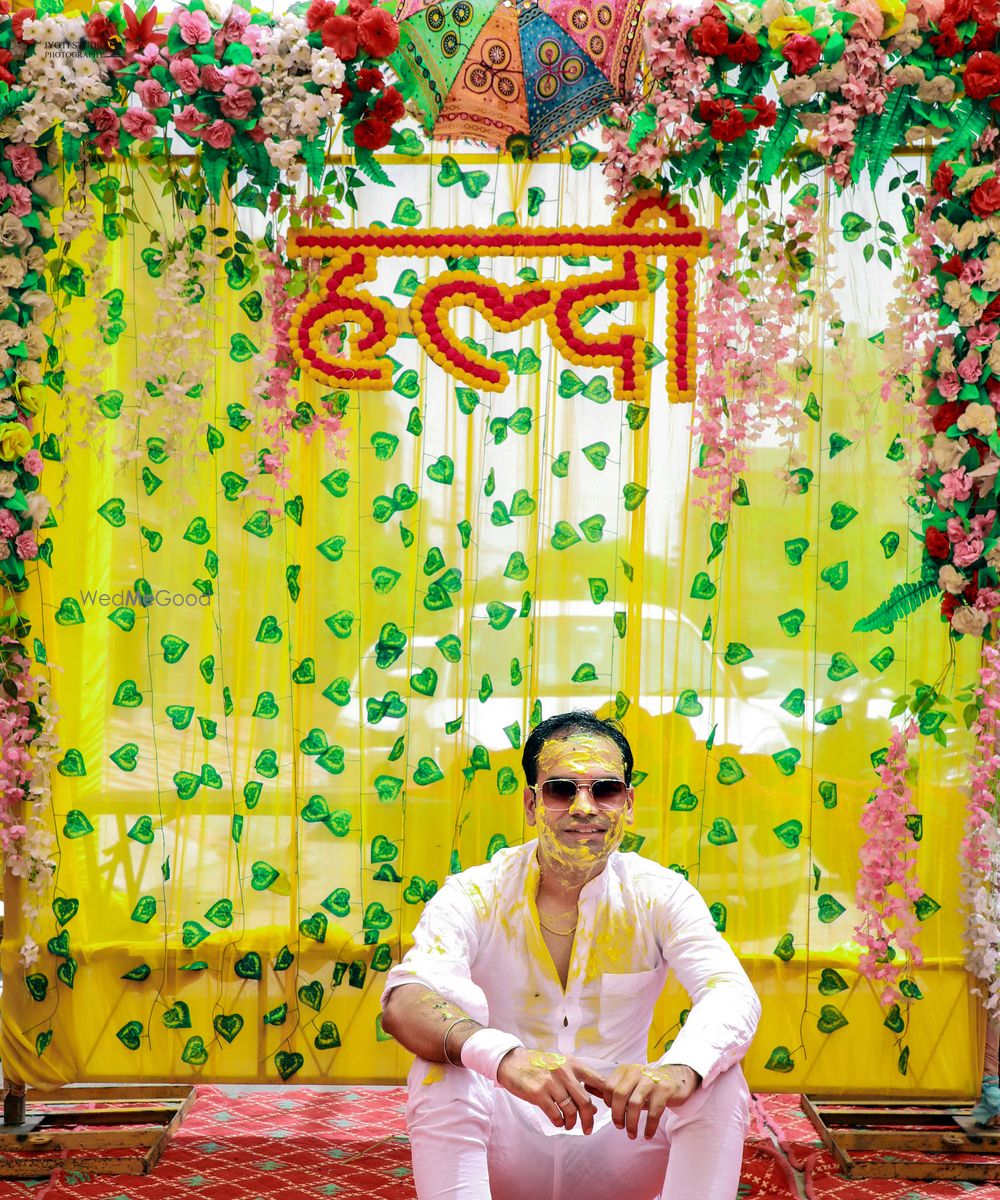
(633, 1087)
(549, 1082)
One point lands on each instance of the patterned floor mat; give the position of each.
(822, 1179)
(304, 1144)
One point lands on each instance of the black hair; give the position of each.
(579, 719)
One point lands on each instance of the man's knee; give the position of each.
(728, 1096)
(439, 1095)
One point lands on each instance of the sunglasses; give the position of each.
(561, 793)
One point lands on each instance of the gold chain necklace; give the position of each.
(558, 932)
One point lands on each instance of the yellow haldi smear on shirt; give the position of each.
(434, 1075)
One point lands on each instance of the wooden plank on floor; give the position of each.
(112, 1092)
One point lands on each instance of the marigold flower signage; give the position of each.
(641, 231)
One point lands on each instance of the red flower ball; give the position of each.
(745, 49)
(982, 75)
(945, 415)
(986, 198)
(389, 106)
(729, 127)
(948, 605)
(341, 35)
(100, 32)
(767, 113)
(802, 53)
(18, 20)
(711, 36)
(936, 541)
(372, 134)
(319, 12)
(957, 11)
(946, 43)
(943, 178)
(369, 79)
(379, 33)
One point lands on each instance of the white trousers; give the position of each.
(472, 1140)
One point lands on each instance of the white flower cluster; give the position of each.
(62, 79)
(286, 63)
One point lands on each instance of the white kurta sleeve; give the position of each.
(724, 1007)
(445, 943)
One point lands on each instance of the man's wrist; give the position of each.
(484, 1050)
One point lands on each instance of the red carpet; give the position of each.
(305, 1144)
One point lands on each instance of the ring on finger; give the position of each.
(565, 1100)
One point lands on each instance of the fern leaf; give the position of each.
(369, 165)
(968, 122)
(904, 599)
(781, 140)
(890, 131)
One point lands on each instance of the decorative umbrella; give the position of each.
(522, 76)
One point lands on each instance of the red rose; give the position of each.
(953, 266)
(986, 198)
(993, 389)
(936, 541)
(389, 106)
(946, 43)
(985, 12)
(357, 7)
(369, 79)
(18, 20)
(100, 32)
(104, 120)
(982, 75)
(991, 312)
(711, 36)
(767, 113)
(979, 446)
(341, 35)
(379, 33)
(985, 38)
(318, 12)
(711, 110)
(802, 53)
(730, 127)
(948, 605)
(745, 49)
(943, 178)
(5, 75)
(372, 134)
(945, 415)
(957, 11)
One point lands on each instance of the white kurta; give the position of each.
(478, 943)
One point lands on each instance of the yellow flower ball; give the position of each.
(893, 11)
(781, 29)
(15, 441)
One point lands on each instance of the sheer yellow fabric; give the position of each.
(564, 579)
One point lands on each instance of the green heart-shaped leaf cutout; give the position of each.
(788, 833)
(831, 982)
(722, 832)
(227, 1026)
(828, 908)
(785, 949)
(830, 1019)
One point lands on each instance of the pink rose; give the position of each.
(185, 74)
(219, 135)
(983, 335)
(955, 528)
(970, 368)
(213, 78)
(194, 25)
(151, 94)
(982, 525)
(236, 103)
(189, 120)
(926, 11)
(32, 462)
(26, 546)
(19, 197)
(988, 599)
(104, 120)
(955, 485)
(107, 143)
(242, 74)
(9, 526)
(139, 123)
(24, 160)
(870, 22)
(235, 25)
(967, 552)
(949, 384)
(256, 134)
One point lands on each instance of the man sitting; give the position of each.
(530, 987)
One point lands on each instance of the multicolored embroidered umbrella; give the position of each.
(525, 75)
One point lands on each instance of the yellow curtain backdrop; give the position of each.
(262, 784)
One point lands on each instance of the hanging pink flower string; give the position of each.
(887, 886)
